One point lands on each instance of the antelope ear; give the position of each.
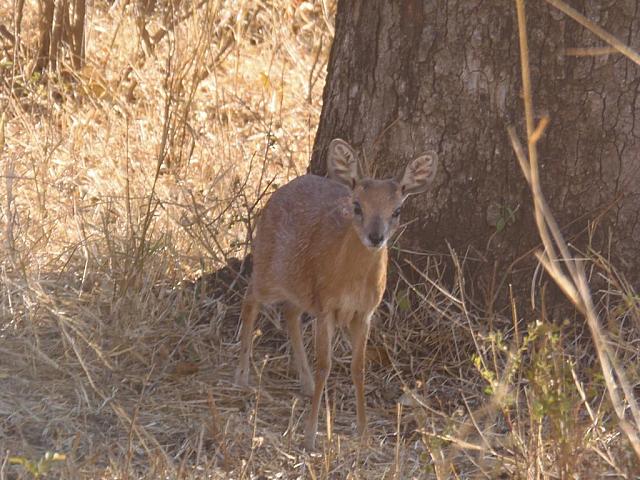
(419, 174)
(342, 163)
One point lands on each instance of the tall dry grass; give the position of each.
(125, 185)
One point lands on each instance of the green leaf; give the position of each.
(404, 304)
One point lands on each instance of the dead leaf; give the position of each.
(378, 355)
(186, 368)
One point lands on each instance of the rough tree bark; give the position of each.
(444, 74)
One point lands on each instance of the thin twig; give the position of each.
(597, 30)
(575, 285)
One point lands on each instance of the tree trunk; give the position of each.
(414, 75)
(61, 25)
(77, 33)
(57, 30)
(45, 25)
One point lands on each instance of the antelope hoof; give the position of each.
(310, 437)
(310, 442)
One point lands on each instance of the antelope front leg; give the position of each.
(323, 339)
(359, 333)
(292, 314)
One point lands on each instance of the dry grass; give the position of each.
(126, 183)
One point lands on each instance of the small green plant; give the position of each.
(39, 467)
(513, 356)
(552, 399)
(403, 301)
(507, 216)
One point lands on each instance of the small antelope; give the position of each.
(321, 248)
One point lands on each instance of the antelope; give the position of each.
(321, 247)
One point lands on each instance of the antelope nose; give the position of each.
(375, 239)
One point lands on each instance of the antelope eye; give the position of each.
(396, 213)
(357, 209)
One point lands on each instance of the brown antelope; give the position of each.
(321, 248)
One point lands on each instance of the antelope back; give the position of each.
(321, 242)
